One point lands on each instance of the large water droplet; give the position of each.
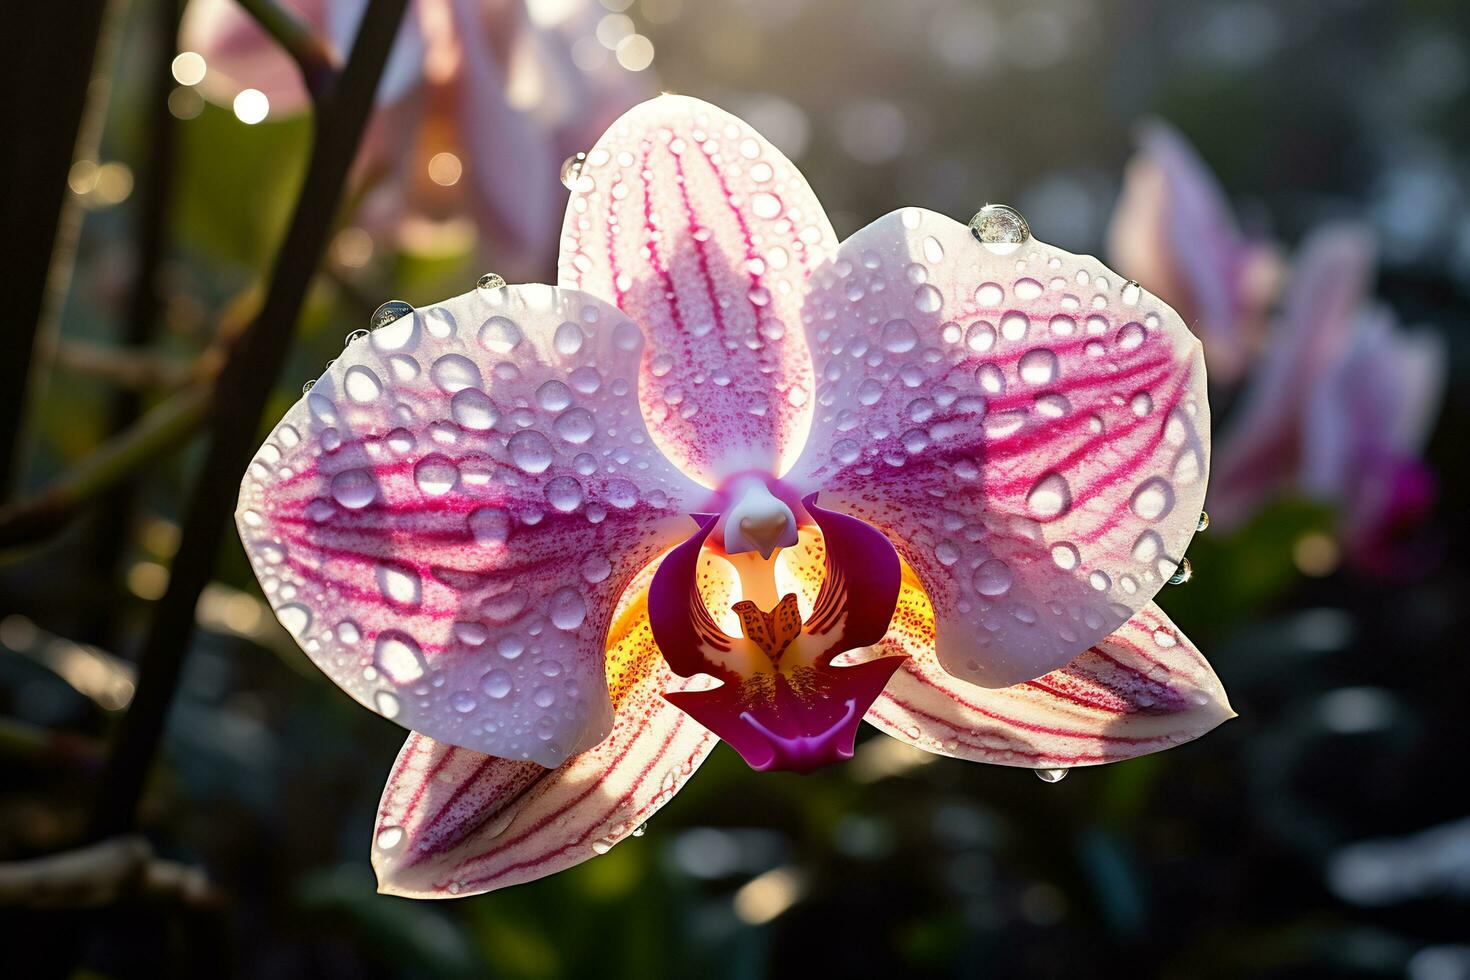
(1038, 367)
(567, 608)
(455, 372)
(362, 384)
(354, 489)
(553, 396)
(564, 493)
(531, 451)
(928, 299)
(993, 577)
(490, 526)
(473, 409)
(899, 336)
(497, 683)
(499, 335)
(568, 339)
(575, 425)
(436, 475)
(1050, 497)
(1153, 499)
(1051, 775)
(399, 657)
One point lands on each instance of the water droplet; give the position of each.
(989, 294)
(621, 493)
(399, 657)
(993, 577)
(436, 475)
(387, 704)
(394, 309)
(998, 224)
(1050, 497)
(499, 335)
(933, 251)
(531, 451)
(490, 280)
(354, 489)
(568, 339)
(564, 493)
(1142, 403)
(463, 702)
(1153, 499)
(1131, 291)
(497, 683)
(571, 169)
(1183, 573)
(1204, 522)
(765, 205)
(641, 829)
(295, 617)
(474, 410)
(928, 299)
(575, 425)
(899, 336)
(306, 387)
(455, 372)
(1051, 775)
(1038, 367)
(845, 451)
(1027, 289)
(354, 337)
(1065, 556)
(490, 526)
(1131, 336)
(389, 838)
(553, 396)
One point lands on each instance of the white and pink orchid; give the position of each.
(479, 103)
(1173, 230)
(733, 479)
(1341, 409)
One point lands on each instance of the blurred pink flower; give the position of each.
(1173, 232)
(1339, 410)
(479, 104)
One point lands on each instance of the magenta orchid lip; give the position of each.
(733, 480)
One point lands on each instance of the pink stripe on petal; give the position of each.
(1031, 432)
(456, 822)
(704, 233)
(1140, 690)
(447, 520)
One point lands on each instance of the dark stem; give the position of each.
(114, 524)
(59, 47)
(240, 397)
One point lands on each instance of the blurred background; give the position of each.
(1292, 177)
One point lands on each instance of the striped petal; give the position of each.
(1261, 451)
(1030, 431)
(446, 521)
(454, 822)
(1140, 690)
(1173, 231)
(702, 232)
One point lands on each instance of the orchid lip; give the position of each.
(781, 703)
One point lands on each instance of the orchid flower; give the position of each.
(1173, 231)
(731, 479)
(1341, 410)
(478, 104)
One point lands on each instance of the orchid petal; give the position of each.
(509, 157)
(455, 822)
(1174, 232)
(446, 521)
(1142, 689)
(704, 233)
(1259, 453)
(1031, 432)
